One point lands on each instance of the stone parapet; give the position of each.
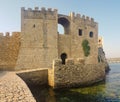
(86, 19)
(37, 13)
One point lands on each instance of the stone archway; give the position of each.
(63, 57)
(65, 24)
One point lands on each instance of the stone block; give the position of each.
(57, 62)
(70, 61)
(80, 61)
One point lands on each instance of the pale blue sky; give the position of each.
(105, 12)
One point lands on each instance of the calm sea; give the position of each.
(107, 91)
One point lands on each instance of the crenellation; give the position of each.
(29, 9)
(9, 48)
(49, 9)
(7, 34)
(78, 15)
(1, 34)
(57, 62)
(49, 13)
(55, 10)
(70, 61)
(15, 34)
(92, 19)
(43, 9)
(87, 18)
(10, 34)
(39, 14)
(72, 15)
(80, 61)
(83, 17)
(22, 8)
(36, 8)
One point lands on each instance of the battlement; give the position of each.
(43, 9)
(37, 13)
(10, 34)
(1, 34)
(79, 16)
(69, 61)
(4, 34)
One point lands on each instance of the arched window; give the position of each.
(91, 34)
(63, 57)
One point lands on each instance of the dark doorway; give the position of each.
(63, 57)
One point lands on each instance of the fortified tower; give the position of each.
(41, 42)
(38, 38)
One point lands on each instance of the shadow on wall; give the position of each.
(38, 77)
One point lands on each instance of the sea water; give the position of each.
(106, 91)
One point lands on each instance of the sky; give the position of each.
(105, 12)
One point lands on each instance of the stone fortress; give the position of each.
(39, 45)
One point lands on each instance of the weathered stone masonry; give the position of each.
(39, 45)
(9, 49)
(41, 42)
(74, 74)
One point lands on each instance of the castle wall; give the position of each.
(71, 43)
(64, 45)
(73, 75)
(9, 49)
(38, 39)
(41, 44)
(87, 25)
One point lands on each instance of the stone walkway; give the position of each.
(13, 89)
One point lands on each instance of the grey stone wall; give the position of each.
(74, 74)
(9, 49)
(38, 39)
